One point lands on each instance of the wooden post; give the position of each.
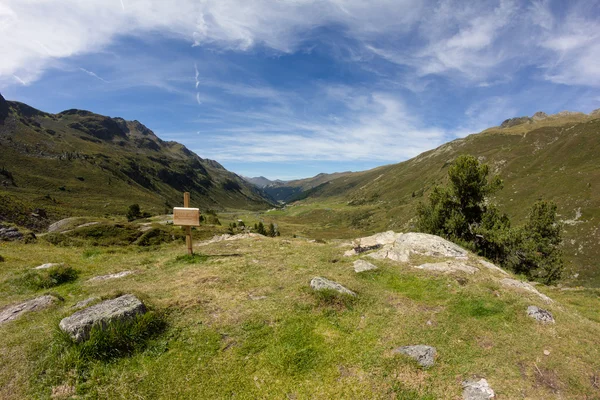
(188, 229)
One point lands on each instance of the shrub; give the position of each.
(50, 277)
(133, 212)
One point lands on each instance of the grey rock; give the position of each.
(419, 243)
(319, 283)
(540, 314)
(13, 312)
(477, 390)
(86, 302)
(492, 266)
(10, 233)
(362, 265)
(111, 276)
(513, 283)
(515, 121)
(424, 355)
(123, 308)
(48, 265)
(540, 115)
(448, 266)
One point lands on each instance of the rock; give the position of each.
(540, 314)
(424, 355)
(111, 276)
(419, 243)
(87, 224)
(362, 265)
(61, 225)
(48, 265)
(123, 308)
(477, 390)
(319, 283)
(254, 297)
(540, 115)
(226, 236)
(448, 266)
(383, 238)
(513, 283)
(10, 233)
(491, 266)
(546, 352)
(514, 121)
(86, 302)
(15, 311)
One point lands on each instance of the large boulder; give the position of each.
(9, 233)
(15, 311)
(525, 286)
(424, 355)
(318, 283)
(123, 308)
(419, 243)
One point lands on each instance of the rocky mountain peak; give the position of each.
(3, 109)
(540, 115)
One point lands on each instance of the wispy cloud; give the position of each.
(93, 74)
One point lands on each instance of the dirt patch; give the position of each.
(547, 378)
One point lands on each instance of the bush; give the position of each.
(50, 277)
(133, 212)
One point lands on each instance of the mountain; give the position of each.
(285, 191)
(77, 162)
(554, 157)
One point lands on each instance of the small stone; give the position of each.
(362, 265)
(424, 355)
(111, 276)
(477, 390)
(123, 308)
(540, 314)
(48, 265)
(546, 352)
(319, 283)
(15, 311)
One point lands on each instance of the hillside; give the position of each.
(240, 320)
(553, 157)
(80, 163)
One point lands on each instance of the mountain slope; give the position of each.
(554, 157)
(78, 162)
(284, 191)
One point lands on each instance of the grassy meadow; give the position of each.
(239, 320)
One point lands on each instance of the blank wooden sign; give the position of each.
(185, 216)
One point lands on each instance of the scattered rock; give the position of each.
(15, 311)
(86, 302)
(477, 390)
(60, 225)
(123, 308)
(48, 265)
(491, 266)
(424, 355)
(9, 233)
(111, 276)
(220, 238)
(419, 243)
(87, 224)
(319, 283)
(448, 266)
(540, 314)
(362, 265)
(513, 283)
(546, 352)
(372, 242)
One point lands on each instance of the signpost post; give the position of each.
(188, 217)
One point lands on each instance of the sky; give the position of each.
(291, 88)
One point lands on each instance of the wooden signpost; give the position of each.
(187, 217)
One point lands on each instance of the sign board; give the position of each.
(186, 216)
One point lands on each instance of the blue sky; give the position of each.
(291, 88)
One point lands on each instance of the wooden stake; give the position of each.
(188, 229)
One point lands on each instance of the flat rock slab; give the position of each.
(540, 314)
(228, 237)
(492, 266)
(319, 283)
(477, 390)
(419, 243)
(123, 308)
(448, 266)
(111, 276)
(48, 265)
(513, 283)
(86, 302)
(15, 311)
(362, 265)
(424, 355)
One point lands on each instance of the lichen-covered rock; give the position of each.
(448, 266)
(111, 276)
(319, 283)
(540, 314)
(477, 390)
(424, 355)
(123, 308)
(86, 302)
(15, 311)
(513, 283)
(419, 243)
(362, 265)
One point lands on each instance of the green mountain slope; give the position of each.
(80, 163)
(551, 157)
(285, 191)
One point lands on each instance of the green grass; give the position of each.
(49, 277)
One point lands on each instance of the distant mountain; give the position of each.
(554, 157)
(78, 162)
(284, 191)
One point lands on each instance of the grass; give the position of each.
(49, 277)
(249, 327)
